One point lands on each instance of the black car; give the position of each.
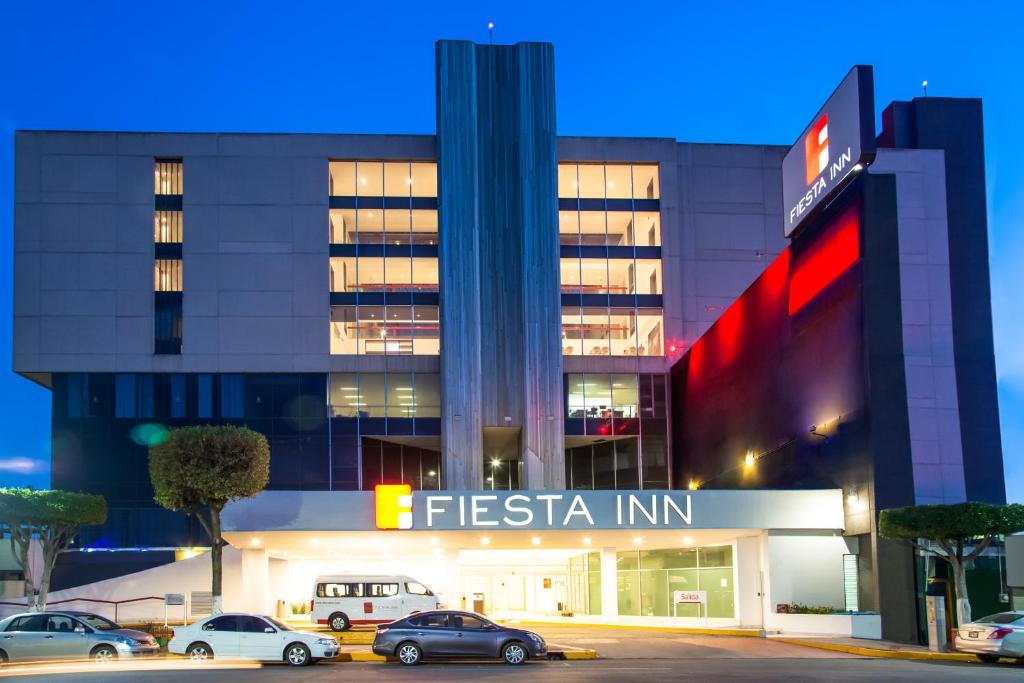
(448, 634)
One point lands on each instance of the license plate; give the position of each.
(972, 634)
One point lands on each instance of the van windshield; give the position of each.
(416, 588)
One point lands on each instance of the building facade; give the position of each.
(496, 308)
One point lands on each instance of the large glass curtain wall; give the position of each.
(384, 270)
(611, 274)
(647, 581)
(585, 583)
(615, 430)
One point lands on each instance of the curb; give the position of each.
(370, 657)
(881, 654)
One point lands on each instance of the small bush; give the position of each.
(800, 608)
(300, 608)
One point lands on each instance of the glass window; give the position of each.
(167, 226)
(595, 329)
(251, 624)
(342, 223)
(381, 590)
(204, 387)
(618, 183)
(424, 179)
(397, 274)
(125, 396)
(30, 623)
(645, 181)
(620, 228)
(591, 181)
(167, 275)
(424, 226)
(648, 276)
(568, 227)
(416, 588)
(168, 177)
(177, 397)
(370, 226)
(228, 622)
(576, 397)
(647, 228)
(621, 276)
(339, 590)
(569, 269)
(572, 331)
(592, 228)
(597, 390)
(624, 396)
(594, 276)
(372, 392)
(468, 622)
(430, 621)
(649, 331)
(231, 403)
(344, 330)
(401, 397)
(397, 226)
(370, 176)
(343, 178)
(397, 181)
(344, 394)
(426, 330)
(622, 332)
(628, 584)
(567, 182)
(428, 395)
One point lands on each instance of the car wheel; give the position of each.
(988, 659)
(199, 652)
(3, 658)
(339, 622)
(514, 653)
(103, 654)
(409, 654)
(297, 654)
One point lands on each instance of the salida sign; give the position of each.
(839, 141)
(522, 510)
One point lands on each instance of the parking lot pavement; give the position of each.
(842, 670)
(626, 643)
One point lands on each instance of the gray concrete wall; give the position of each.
(255, 250)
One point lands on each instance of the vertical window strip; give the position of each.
(167, 227)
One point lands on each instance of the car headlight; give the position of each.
(327, 641)
(123, 640)
(536, 638)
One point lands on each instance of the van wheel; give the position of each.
(339, 622)
(409, 653)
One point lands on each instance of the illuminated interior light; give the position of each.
(254, 541)
(495, 462)
(638, 541)
(749, 459)
(535, 540)
(433, 541)
(687, 540)
(693, 485)
(586, 540)
(485, 541)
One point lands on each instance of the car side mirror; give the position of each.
(269, 630)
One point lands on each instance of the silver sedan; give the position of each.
(36, 636)
(994, 636)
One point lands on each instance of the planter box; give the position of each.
(861, 625)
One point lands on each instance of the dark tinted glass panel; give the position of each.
(231, 404)
(204, 396)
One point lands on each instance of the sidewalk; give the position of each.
(874, 648)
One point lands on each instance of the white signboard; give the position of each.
(700, 597)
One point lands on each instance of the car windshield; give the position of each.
(280, 625)
(1002, 618)
(97, 622)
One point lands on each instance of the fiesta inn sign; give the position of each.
(521, 510)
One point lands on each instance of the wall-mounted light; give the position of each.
(853, 497)
(693, 485)
(749, 459)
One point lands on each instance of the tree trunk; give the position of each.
(216, 548)
(50, 546)
(963, 605)
(21, 547)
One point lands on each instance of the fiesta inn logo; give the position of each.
(394, 506)
(816, 149)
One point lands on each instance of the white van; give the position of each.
(346, 599)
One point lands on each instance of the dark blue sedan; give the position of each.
(449, 634)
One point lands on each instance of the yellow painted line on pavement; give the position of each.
(877, 652)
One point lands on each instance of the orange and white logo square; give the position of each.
(816, 148)
(394, 506)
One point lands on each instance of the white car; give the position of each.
(995, 636)
(250, 636)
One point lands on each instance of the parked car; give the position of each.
(343, 600)
(250, 636)
(994, 636)
(449, 634)
(34, 636)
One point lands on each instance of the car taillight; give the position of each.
(1000, 633)
(381, 630)
(311, 606)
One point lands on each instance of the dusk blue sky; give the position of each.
(704, 72)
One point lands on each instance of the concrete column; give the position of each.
(609, 584)
(256, 581)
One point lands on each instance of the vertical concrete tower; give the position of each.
(501, 357)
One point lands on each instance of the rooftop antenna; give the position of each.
(490, 32)
(924, 86)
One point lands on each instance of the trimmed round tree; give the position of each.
(52, 518)
(957, 533)
(199, 470)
